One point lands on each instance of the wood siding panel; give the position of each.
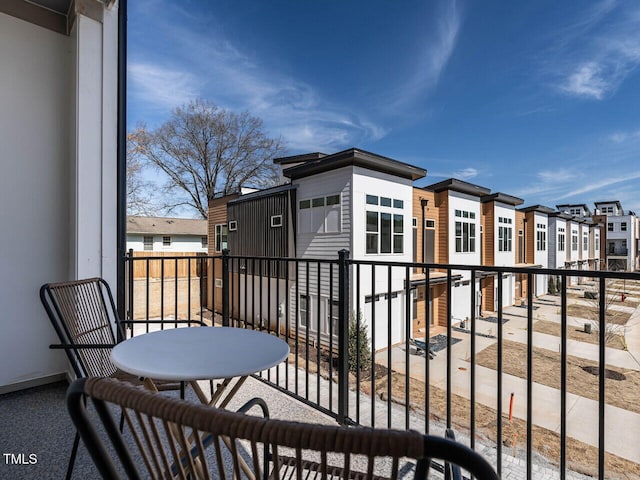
(530, 238)
(442, 231)
(488, 237)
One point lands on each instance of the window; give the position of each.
(541, 243)
(148, 242)
(166, 241)
(574, 241)
(372, 232)
(561, 239)
(430, 224)
(221, 237)
(304, 310)
(398, 234)
(385, 202)
(204, 241)
(623, 227)
(218, 283)
(505, 235)
(233, 225)
(320, 214)
(585, 241)
(465, 231)
(596, 244)
(372, 200)
(334, 317)
(398, 203)
(610, 227)
(414, 222)
(276, 221)
(384, 233)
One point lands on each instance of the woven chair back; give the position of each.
(83, 313)
(171, 438)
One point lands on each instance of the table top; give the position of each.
(199, 353)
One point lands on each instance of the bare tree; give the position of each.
(205, 150)
(139, 191)
(614, 327)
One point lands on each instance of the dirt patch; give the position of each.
(575, 333)
(580, 456)
(615, 298)
(546, 371)
(592, 313)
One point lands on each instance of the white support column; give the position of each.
(93, 183)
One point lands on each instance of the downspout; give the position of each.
(121, 228)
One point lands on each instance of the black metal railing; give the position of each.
(356, 329)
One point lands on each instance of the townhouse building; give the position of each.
(620, 236)
(538, 233)
(498, 247)
(459, 241)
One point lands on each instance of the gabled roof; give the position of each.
(459, 186)
(355, 157)
(502, 198)
(537, 208)
(166, 226)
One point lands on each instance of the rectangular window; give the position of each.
(221, 238)
(320, 215)
(166, 241)
(561, 242)
(304, 310)
(148, 242)
(505, 235)
(398, 233)
(597, 244)
(385, 233)
(372, 200)
(385, 202)
(317, 202)
(372, 232)
(541, 240)
(276, 221)
(610, 227)
(333, 200)
(233, 226)
(334, 317)
(585, 241)
(429, 224)
(414, 222)
(204, 241)
(305, 204)
(623, 227)
(398, 203)
(465, 231)
(574, 241)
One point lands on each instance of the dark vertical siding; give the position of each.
(255, 237)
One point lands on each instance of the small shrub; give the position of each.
(358, 348)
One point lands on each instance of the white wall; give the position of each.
(541, 257)
(179, 243)
(504, 259)
(34, 151)
(461, 201)
(58, 151)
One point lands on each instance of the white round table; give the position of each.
(199, 353)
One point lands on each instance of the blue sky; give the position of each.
(537, 99)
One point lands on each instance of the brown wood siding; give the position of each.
(488, 240)
(530, 237)
(217, 216)
(486, 286)
(440, 304)
(430, 213)
(519, 227)
(442, 230)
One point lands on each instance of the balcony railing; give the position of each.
(516, 375)
(618, 252)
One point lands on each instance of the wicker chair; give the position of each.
(173, 438)
(85, 318)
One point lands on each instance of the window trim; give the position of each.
(166, 241)
(276, 221)
(232, 226)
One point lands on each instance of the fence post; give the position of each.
(343, 336)
(225, 287)
(129, 257)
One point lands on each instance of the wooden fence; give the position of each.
(173, 267)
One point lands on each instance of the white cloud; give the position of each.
(598, 52)
(436, 50)
(234, 80)
(601, 184)
(161, 86)
(465, 173)
(621, 137)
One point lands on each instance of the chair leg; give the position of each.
(121, 421)
(72, 458)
